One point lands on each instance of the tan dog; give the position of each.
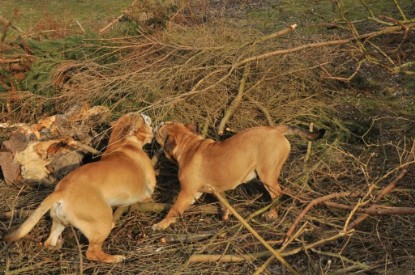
(259, 151)
(124, 175)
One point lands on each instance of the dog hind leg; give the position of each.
(96, 227)
(270, 181)
(54, 240)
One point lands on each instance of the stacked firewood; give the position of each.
(44, 152)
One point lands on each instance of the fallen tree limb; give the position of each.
(375, 210)
(311, 205)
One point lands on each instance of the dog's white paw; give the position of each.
(58, 245)
(161, 225)
(156, 227)
(118, 258)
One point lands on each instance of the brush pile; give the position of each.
(348, 199)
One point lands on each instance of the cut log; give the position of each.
(44, 152)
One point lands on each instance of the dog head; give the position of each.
(168, 133)
(136, 125)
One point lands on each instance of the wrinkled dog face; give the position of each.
(162, 133)
(165, 140)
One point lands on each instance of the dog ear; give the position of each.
(169, 145)
(194, 128)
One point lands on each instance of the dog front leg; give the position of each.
(184, 200)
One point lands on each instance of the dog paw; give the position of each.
(104, 257)
(157, 227)
(47, 244)
(117, 258)
(271, 215)
(225, 215)
(160, 226)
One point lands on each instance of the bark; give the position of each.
(44, 152)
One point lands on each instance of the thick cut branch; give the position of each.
(375, 210)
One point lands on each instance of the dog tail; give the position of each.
(25, 228)
(291, 130)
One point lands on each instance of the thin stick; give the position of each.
(384, 192)
(387, 189)
(262, 268)
(81, 260)
(342, 258)
(309, 144)
(400, 10)
(27, 268)
(276, 34)
(6, 22)
(84, 147)
(320, 44)
(110, 24)
(80, 26)
(311, 205)
(200, 258)
(262, 109)
(190, 237)
(253, 232)
(236, 101)
(116, 20)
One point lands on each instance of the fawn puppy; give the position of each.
(84, 198)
